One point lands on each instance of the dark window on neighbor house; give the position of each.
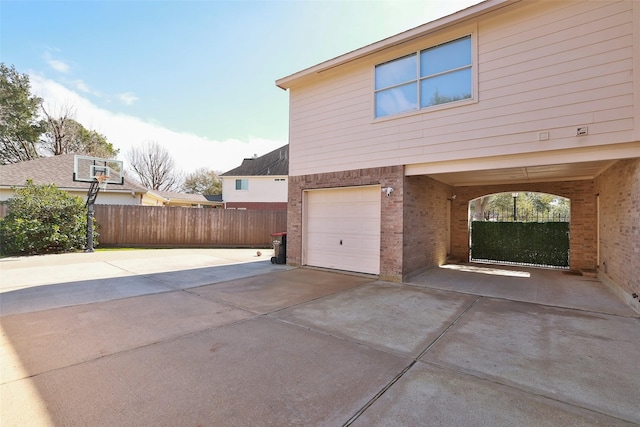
(242, 184)
(437, 75)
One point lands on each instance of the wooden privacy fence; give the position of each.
(158, 226)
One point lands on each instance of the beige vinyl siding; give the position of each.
(541, 66)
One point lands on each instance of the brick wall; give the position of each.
(582, 253)
(414, 218)
(619, 190)
(391, 212)
(425, 223)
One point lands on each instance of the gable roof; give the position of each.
(273, 163)
(56, 170)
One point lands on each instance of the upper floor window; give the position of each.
(242, 184)
(430, 77)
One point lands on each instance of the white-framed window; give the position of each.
(433, 76)
(242, 184)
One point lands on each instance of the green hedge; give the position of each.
(525, 242)
(43, 219)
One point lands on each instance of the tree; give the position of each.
(65, 135)
(43, 219)
(20, 127)
(202, 181)
(154, 167)
(502, 202)
(479, 206)
(530, 206)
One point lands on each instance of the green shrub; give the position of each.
(43, 219)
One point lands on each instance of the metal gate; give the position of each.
(523, 243)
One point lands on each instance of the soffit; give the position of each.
(559, 172)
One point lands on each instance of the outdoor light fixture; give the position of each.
(515, 196)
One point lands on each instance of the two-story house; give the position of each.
(258, 183)
(389, 143)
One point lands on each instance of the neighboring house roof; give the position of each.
(273, 163)
(214, 197)
(173, 198)
(56, 170)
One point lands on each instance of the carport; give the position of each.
(574, 181)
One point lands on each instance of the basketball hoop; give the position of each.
(102, 181)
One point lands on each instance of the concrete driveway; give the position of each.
(215, 337)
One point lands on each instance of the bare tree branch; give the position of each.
(154, 167)
(65, 135)
(56, 139)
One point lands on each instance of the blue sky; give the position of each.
(196, 76)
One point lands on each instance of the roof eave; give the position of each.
(273, 175)
(404, 37)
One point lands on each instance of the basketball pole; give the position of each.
(89, 228)
(94, 189)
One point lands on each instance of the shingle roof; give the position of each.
(187, 197)
(56, 170)
(273, 163)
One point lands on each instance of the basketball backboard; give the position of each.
(86, 168)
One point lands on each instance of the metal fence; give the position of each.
(157, 226)
(522, 215)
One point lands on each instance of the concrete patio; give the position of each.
(222, 337)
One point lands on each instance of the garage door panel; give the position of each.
(343, 229)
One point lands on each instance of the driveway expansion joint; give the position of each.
(382, 391)
(378, 395)
(451, 325)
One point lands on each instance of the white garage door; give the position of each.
(342, 229)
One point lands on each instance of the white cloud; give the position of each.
(85, 88)
(82, 86)
(125, 131)
(127, 98)
(58, 65)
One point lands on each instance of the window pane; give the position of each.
(446, 88)
(396, 72)
(397, 100)
(242, 184)
(445, 57)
